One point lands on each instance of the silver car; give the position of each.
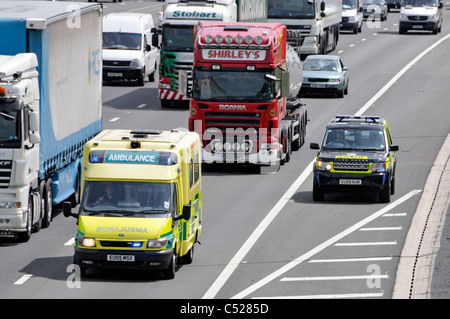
(375, 9)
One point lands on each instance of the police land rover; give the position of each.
(356, 155)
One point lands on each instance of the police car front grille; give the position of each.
(353, 165)
(120, 244)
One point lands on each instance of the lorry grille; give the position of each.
(350, 165)
(5, 173)
(182, 66)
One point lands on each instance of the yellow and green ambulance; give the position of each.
(141, 200)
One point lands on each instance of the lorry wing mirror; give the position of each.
(34, 121)
(270, 77)
(155, 40)
(67, 210)
(322, 7)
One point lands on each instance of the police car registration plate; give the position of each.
(350, 181)
(120, 257)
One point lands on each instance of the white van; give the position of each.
(127, 50)
(352, 15)
(421, 15)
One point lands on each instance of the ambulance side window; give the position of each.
(196, 168)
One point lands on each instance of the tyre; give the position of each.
(26, 235)
(169, 273)
(318, 195)
(189, 257)
(385, 194)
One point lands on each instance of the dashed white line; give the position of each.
(331, 296)
(23, 279)
(344, 260)
(114, 119)
(375, 243)
(334, 278)
(141, 106)
(380, 228)
(70, 242)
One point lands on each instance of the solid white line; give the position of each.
(380, 228)
(23, 279)
(334, 278)
(334, 296)
(375, 243)
(343, 260)
(229, 269)
(399, 74)
(324, 245)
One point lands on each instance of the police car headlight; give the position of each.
(86, 241)
(323, 166)
(157, 243)
(378, 167)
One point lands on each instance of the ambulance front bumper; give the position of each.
(129, 259)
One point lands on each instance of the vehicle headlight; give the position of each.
(432, 17)
(305, 79)
(323, 166)
(270, 146)
(337, 80)
(310, 40)
(86, 241)
(135, 62)
(378, 167)
(165, 86)
(9, 205)
(157, 243)
(352, 19)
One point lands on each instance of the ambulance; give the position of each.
(141, 201)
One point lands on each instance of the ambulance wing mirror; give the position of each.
(67, 210)
(186, 213)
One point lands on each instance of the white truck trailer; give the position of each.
(312, 25)
(50, 105)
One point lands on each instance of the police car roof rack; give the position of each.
(342, 118)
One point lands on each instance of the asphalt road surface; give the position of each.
(263, 236)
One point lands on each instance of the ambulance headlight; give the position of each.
(157, 243)
(323, 166)
(86, 241)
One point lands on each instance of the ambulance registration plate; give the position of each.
(120, 257)
(350, 181)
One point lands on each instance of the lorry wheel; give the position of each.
(169, 273)
(25, 236)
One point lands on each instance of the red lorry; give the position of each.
(244, 90)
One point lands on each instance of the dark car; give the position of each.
(356, 155)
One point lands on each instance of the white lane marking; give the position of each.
(70, 242)
(395, 215)
(334, 278)
(23, 279)
(232, 265)
(380, 228)
(375, 243)
(114, 119)
(324, 245)
(229, 269)
(141, 106)
(344, 260)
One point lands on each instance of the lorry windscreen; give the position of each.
(178, 39)
(10, 129)
(123, 198)
(232, 86)
(290, 9)
(121, 41)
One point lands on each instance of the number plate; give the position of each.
(417, 26)
(350, 181)
(319, 86)
(115, 74)
(234, 157)
(120, 257)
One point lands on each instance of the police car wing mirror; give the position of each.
(67, 210)
(314, 146)
(394, 148)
